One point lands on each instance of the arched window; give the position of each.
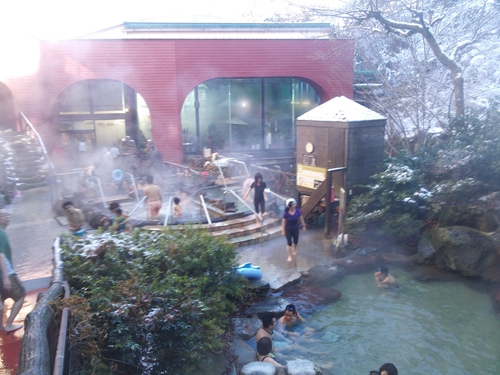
(245, 114)
(95, 114)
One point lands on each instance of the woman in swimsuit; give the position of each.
(264, 347)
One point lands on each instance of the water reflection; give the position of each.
(423, 328)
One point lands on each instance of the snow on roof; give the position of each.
(341, 109)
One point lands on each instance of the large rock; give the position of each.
(258, 368)
(308, 298)
(425, 251)
(466, 250)
(244, 353)
(468, 216)
(270, 305)
(323, 275)
(302, 367)
(357, 263)
(246, 327)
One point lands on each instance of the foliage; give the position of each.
(413, 189)
(149, 302)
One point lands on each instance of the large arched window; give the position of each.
(94, 114)
(245, 114)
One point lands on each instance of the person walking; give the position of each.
(290, 225)
(259, 200)
(153, 194)
(10, 285)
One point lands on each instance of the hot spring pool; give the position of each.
(444, 328)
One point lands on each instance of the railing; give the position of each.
(101, 191)
(135, 185)
(183, 167)
(40, 141)
(137, 205)
(169, 211)
(269, 191)
(59, 178)
(204, 205)
(282, 180)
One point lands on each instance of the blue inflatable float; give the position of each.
(249, 271)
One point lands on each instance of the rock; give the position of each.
(258, 368)
(395, 259)
(308, 298)
(323, 275)
(468, 251)
(244, 353)
(468, 216)
(357, 263)
(246, 328)
(270, 305)
(212, 364)
(425, 251)
(260, 286)
(301, 367)
(495, 298)
(431, 273)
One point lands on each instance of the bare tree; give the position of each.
(449, 30)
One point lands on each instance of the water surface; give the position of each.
(423, 328)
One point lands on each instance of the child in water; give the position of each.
(177, 207)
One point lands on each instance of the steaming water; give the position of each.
(423, 328)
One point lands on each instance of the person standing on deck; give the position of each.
(259, 200)
(10, 285)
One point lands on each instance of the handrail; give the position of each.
(233, 160)
(101, 191)
(221, 175)
(245, 203)
(169, 211)
(182, 166)
(135, 185)
(44, 150)
(269, 191)
(136, 206)
(204, 205)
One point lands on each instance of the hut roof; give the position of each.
(341, 109)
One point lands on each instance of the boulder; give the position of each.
(468, 251)
(308, 298)
(323, 275)
(302, 367)
(258, 368)
(244, 353)
(270, 305)
(246, 328)
(425, 251)
(357, 263)
(474, 217)
(212, 364)
(495, 296)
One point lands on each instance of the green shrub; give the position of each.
(149, 302)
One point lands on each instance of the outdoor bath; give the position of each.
(424, 327)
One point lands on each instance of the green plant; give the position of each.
(149, 302)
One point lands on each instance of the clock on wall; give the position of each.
(309, 147)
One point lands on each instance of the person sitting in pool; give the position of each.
(291, 316)
(264, 347)
(267, 329)
(388, 369)
(384, 279)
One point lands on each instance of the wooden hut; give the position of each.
(339, 133)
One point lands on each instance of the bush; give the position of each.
(149, 302)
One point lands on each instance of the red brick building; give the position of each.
(164, 71)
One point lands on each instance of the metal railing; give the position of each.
(169, 211)
(135, 185)
(101, 191)
(282, 180)
(184, 167)
(205, 209)
(40, 141)
(137, 205)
